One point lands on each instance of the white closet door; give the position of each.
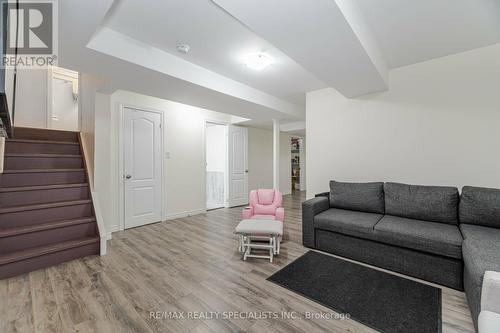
(143, 167)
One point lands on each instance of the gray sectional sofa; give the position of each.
(429, 232)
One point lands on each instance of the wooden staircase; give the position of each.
(46, 212)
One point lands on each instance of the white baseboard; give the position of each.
(185, 214)
(99, 220)
(115, 228)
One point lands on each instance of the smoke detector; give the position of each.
(183, 48)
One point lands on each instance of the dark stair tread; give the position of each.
(44, 226)
(43, 155)
(44, 134)
(71, 143)
(41, 187)
(45, 130)
(43, 250)
(43, 170)
(14, 209)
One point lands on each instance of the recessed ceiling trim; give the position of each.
(319, 36)
(115, 44)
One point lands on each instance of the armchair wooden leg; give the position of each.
(271, 248)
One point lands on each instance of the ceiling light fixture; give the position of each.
(257, 61)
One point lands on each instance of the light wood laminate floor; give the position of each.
(178, 266)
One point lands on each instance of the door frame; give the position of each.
(121, 160)
(226, 173)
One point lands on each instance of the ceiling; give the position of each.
(349, 45)
(326, 37)
(411, 31)
(218, 42)
(119, 62)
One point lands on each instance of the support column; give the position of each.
(276, 154)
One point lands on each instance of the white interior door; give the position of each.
(238, 166)
(143, 167)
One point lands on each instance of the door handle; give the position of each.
(128, 176)
(246, 171)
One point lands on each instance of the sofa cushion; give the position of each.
(265, 209)
(480, 233)
(480, 249)
(427, 203)
(479, 205)
(481, 252)
(363, 197)
(359, 224)
(437, 238)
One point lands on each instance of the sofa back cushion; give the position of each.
(480, 206)
(363, 197)
(265, 196)
(428, 203)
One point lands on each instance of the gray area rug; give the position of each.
(380, 300)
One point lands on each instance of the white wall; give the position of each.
(184, 170)
(185, 143)
(87, 99)
(31, 98)
(303, 180)
(260, 160)
(103, 160)
(438, 124)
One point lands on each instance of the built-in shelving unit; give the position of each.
(295, 160)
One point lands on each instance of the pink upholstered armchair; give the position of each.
(265, 204)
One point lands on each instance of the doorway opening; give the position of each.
(298, 164)
(62, 99)
(216, 165)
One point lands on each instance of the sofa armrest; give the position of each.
(488, 322)
(311, 208)
(490, 294)
(280, 214)
(247, 213)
